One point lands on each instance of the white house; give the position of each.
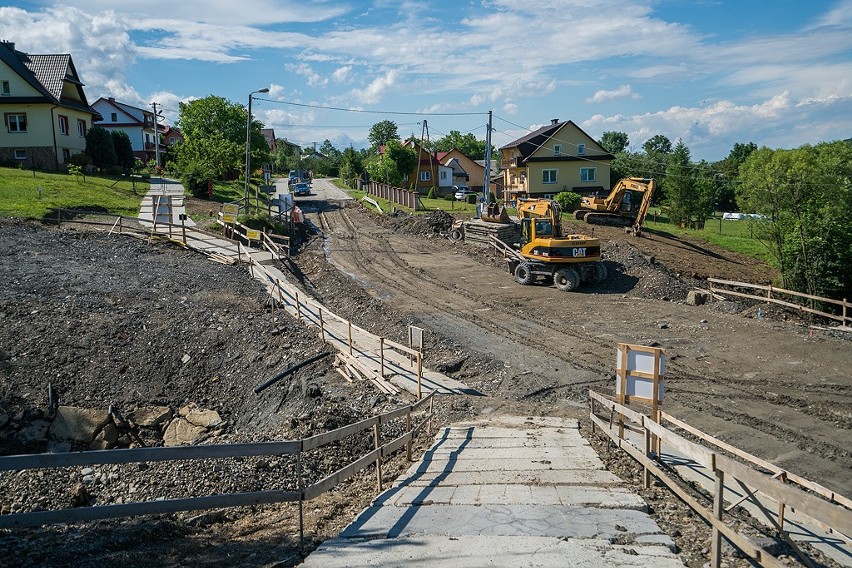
(136, 122)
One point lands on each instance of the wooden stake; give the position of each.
(408, 429)
(322, 325)
(350, 336)
(420, 376)
(382, 355)
(646, 476)
(718, 509)
(298, 307)
(376, 436)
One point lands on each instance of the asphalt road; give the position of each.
(323, 190)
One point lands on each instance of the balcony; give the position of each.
(513, 162)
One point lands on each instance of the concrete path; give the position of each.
(505, 491)
(167, 196)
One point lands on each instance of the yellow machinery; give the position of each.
(545, 252)
(619, 208)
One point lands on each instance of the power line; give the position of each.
(395, 112)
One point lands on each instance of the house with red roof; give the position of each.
(45, 112)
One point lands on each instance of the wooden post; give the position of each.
(622, 378)
(350, 336)
(280, 296)
(376, 436)
(301, 497)
(382, 355)
(781, 508)
(420, 375)
(298, 307)
(322, 325)
(120, 223)
(431, 403)
(655, 400)
(182, 228)
(718, 509)
(844, 311)
(408, 429)
(646, 476)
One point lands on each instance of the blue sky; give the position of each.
(712, 72)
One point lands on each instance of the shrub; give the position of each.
(80, 159)
(195, 177)
(568, 200)
(431, 194)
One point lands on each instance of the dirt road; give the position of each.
(762, 384)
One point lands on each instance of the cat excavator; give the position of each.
(567, 260)
(619, 207)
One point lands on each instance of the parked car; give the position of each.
(460, 192)
(301, 188)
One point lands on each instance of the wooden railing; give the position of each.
(826, 509)
(843, 313)
(295, 448)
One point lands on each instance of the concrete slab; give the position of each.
(500, 520)
(514, 494)
(547, 452)
(541, 477)
(441, 465)
(451, 444)
(477, 551)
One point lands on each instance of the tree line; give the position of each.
(803, 198)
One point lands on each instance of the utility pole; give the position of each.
(156, 138)
(486, 183)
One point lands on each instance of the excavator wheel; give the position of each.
(580, 214)
(457, 235)
(566, 279)
(523, 273)
(600, 272)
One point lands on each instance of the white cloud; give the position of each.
(374, 92)
(314, 78)
(341, 74)
(620, 92)
(510, 108)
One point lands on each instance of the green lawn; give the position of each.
(19, 193)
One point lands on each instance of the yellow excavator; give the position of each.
(567, 260)
(619, 207)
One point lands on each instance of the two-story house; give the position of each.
(45, 112)
(557, 157)
(137, 123)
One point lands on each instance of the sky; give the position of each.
(709, 72)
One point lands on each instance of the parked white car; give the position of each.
(460, 192)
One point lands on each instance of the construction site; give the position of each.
(432, 339)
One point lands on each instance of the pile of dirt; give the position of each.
(436, 222)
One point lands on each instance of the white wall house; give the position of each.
(136, 122)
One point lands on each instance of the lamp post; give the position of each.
(248, 144)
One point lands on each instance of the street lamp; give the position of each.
(248, 144)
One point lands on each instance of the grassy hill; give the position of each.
(20, 195)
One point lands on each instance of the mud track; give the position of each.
(763, 385)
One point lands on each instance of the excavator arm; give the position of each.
(650, 187)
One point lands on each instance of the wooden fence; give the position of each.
(310, 311)
(296, 448)
(825, 508)
(404, 197)
(843, 314)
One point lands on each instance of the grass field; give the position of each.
(20, 196)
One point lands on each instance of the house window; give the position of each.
(113, 117)
(557, 149)
(63, 125)
(66, 155)
(588, 174)
(147, 138)
(20, 154)
(16, 122)
(548, 176)
(171, 140)
(443, 175)
(4, 89)
(425, 176)
(581, 149)
(549, 195)
(81, 127)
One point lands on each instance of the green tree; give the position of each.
(729, 170)
(657, 145)
(467, 144)
(99, 147)
(614, 142)
(806, 195)
(214, 155)
(381, 133)
(393, 165)
(680, 186)
(568, 200)
(123, 150)
(217, 117)
(351, 164)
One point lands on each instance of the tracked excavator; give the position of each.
(619, 208)
(545, 253)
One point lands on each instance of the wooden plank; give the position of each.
(397, 444)
(631, 415)
(741, 284)
(426, 399)
(80, 514)
(342, 474)
(394, 414)
(836, 516)
(334, 435)
(136, 455)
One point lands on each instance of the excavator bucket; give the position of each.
(495, 214)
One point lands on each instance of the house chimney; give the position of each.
(112, 99)
(554, 121)
(9, 44)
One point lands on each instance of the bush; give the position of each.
(195, 177)
(472, 198)
(568, 201)
(431, 194)
(80, 159)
